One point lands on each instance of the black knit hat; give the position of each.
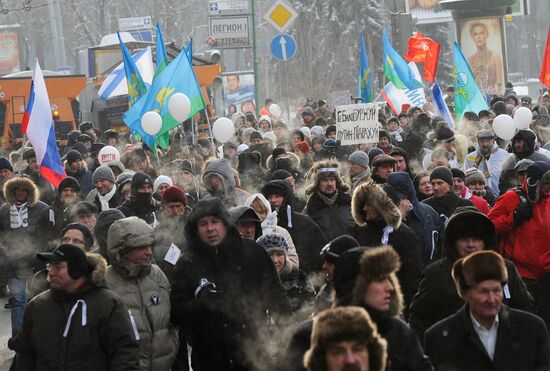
(77, 262)
(140, 179)
(5, 164)
(73, 156)
(280, 175)
(68, 182)
(88, 237)
(457, 173)
(443, 173)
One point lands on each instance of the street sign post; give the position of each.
(281, 15)
(228, 7)
(230, 32)
(283, 47)
(135, 23)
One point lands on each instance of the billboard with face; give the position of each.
(482, 43)
(238, 93)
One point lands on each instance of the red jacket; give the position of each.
(528, 246)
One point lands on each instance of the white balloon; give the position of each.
(179, 106)
(223, 129)
(108, 154)
(275, 110)
(504, 127)
(151, 122)
(522, 118)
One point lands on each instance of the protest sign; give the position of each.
(357, 124)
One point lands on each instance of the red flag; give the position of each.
(424, 49)
(545, 71)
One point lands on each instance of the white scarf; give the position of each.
(104, 200)
(19, 216)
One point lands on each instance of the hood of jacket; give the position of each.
(468, 222)
(100, 268)
(206, 207)
(529, 148)
(247, 215)
(222, 168)
(403, 184)
(21, 182)
(124, 236)
(371, 193)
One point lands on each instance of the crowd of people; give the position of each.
(284, 249)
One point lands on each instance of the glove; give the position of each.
(523, 213)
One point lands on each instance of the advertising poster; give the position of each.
(481, 41)
(9, 52)
(238, 93)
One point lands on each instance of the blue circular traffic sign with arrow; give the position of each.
(283, 47)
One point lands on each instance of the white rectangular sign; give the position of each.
(230, 32)
(135, 23)
(357, 124)
(228, 7)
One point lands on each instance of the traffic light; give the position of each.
(55, 114)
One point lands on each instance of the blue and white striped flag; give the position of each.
(115, 84)
(440, 107)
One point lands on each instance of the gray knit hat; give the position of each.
(273, 241)
(103, 172)
(473, 175)
(360, 158)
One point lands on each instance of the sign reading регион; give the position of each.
(357, 124)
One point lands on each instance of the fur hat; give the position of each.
(478, 267)
(344, 324)
(321, 169)
(377, 264)
(371, 193)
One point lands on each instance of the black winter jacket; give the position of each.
(335, 220)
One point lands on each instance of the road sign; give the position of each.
(134, 24)
(283, 47)
(230, 32)
(228, 7)
(281, 15)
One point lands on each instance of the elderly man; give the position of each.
(345, 339)
(144, 289)
(329, 204)
(104, 193)
(487, 158)
(222, 287)
(485, 334)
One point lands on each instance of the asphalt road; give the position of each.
(5, 332)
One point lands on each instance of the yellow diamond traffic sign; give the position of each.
(281, 15)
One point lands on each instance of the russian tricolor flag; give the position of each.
(39, 127)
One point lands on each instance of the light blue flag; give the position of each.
(189, 50)
(177, 77)
(161, 57)
(136, 86)
(440, 107)
(365, 77)
(396, 69)
(468, 97)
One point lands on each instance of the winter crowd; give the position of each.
(285, 250)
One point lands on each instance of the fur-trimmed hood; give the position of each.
(371, 193)
(294, 160)
(21, 182)
(97, 277)
(315, 176)
(377, 264)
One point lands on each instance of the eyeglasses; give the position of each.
(325, 251)
(72, 241)
(56, 267)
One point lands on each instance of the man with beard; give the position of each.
(76, 167)
(523, 147)
(6, 173)
(141, 202)
(330, 202)
(487, 158)
(56, 217)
